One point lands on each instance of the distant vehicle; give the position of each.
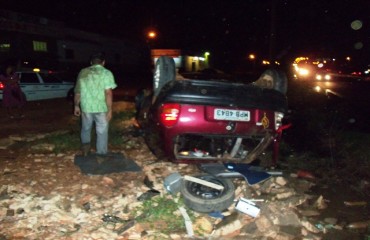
(327, 69)
(40, 85)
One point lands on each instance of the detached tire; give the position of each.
(204, 199)
(165, 71)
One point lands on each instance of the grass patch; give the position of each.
(64, 142)
(70, 141)
(123, 115)
(116, 128)
(161, 213)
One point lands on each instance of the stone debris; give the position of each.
(45, 196)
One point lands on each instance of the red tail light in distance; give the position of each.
(1, 86)
(169, 114)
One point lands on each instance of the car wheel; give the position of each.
(281, 83)
(205, 199)
(164, 72)
(274, 79)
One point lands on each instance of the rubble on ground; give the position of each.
(45, 196)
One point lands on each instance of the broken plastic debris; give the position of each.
(188, 223)
(172, 183)
(216, 215)
(247, 207)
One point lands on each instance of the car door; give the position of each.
(30, 84)
(54, 86)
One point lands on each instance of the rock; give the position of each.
(309, 212)
(284, 195)
(202, 226)
(309, 226)
(320, 203)
(108, 181)
(5, 143)
(230, 230)
(263, 223)
(281, 181)
(332, 221)
(284, 236)
(359, 225)
(43, 147)
(281, 215)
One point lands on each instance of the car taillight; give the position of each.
(278, 120)
(169, 114)
(1, 86)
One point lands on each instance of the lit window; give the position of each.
(4, 47)
(40, 46)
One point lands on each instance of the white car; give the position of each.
(41, 85)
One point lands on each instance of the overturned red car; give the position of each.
(196, 121)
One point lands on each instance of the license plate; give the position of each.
(231, 115)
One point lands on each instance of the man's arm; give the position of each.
(109, 102)
(77, 110)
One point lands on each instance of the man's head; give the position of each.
(97, 58)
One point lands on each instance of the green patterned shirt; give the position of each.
(91, 85)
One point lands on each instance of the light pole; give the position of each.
(152, 34)
(252, 57)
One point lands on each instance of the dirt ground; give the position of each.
(27, 169)
(40, 116)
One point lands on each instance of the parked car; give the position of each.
(196, 121)
(40, 85)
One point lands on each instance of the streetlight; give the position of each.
(152, 34)
(206, 57)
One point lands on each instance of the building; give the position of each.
(29, 41)
(184, 61)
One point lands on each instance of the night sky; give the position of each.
(230, 29)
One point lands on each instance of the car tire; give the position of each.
(281, 83)
(164, 72)
(204, 199)
(273, 79)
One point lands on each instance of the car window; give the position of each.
(51, 78)
(29, 78)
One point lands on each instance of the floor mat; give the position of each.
(112, 163)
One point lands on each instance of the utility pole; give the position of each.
(272, 38)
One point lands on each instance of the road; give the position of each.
(349, 97)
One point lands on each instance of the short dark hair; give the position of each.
(97, 58)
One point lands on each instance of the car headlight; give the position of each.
(320, 77)
(303, 71)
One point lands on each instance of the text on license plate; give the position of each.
(232, 115)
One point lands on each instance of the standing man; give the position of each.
(93, 102)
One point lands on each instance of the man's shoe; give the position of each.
(85, 150)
